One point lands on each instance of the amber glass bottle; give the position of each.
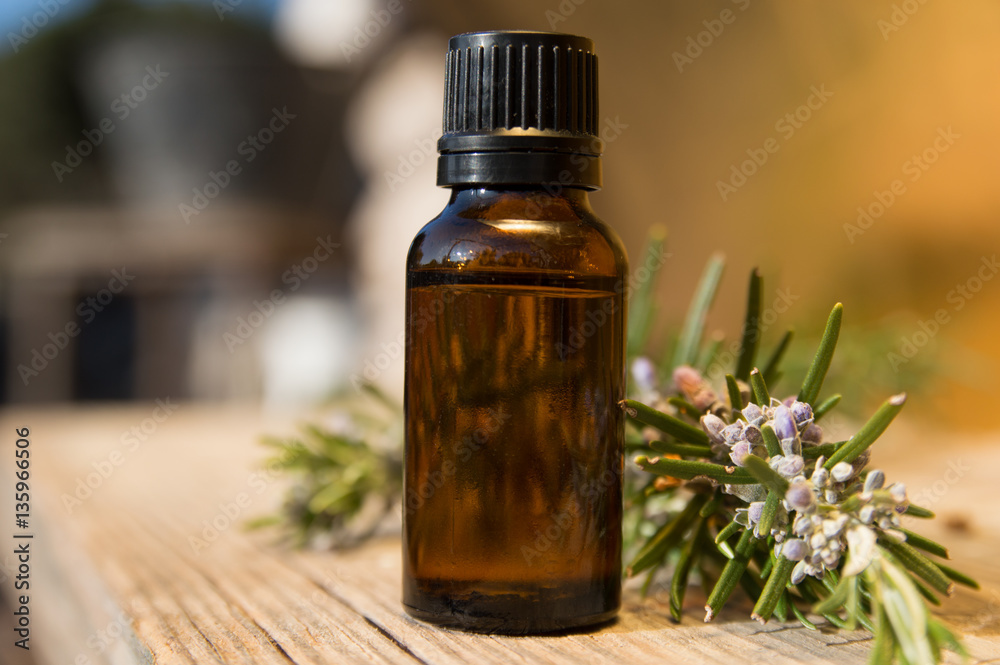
(515, 326)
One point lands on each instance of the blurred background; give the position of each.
(212, 200)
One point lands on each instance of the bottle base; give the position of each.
(506, 616)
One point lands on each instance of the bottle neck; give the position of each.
(536, 201)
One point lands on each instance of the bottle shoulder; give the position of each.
(567, 241)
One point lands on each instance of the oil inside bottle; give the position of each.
(513, 464)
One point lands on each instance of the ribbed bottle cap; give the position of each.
(520, 107)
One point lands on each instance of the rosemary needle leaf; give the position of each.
(765, 475)
(961, 578)
(773, 590)
(684, 449)
(735, 398)
(686, 351)
(770, 440)
(751, 328)
(826, 406)
(730, 576)
(727, 532)
(918, 564)
(687, 469)
(669, 535)
(678, 585)
(643, 306)
(759, 389)
(664, 422)
(771, 366)
(914, 510)
(926, 544)
(869, 432)
(824, 354)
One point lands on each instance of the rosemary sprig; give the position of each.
(798, 522)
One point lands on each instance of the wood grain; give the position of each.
(154, 567)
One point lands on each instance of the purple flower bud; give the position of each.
(842, 471)
(867, 514)
(799, 572)
(802, 525)
(802, 413)
(898, 492)
(739, 453)
(784, 424)
(820, 476)
(874, 480)
(752, 434)
(753, 414)
(644, 374)
(795, 549)
(713, 426)
(790, 466)
(733, 433)
(813, 433)
(817, 541)
(800, 496)
(754, 511)
(830, 496)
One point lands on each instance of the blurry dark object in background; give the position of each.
(105, 354)
(227, 160)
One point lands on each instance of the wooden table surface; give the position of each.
(131, 570)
